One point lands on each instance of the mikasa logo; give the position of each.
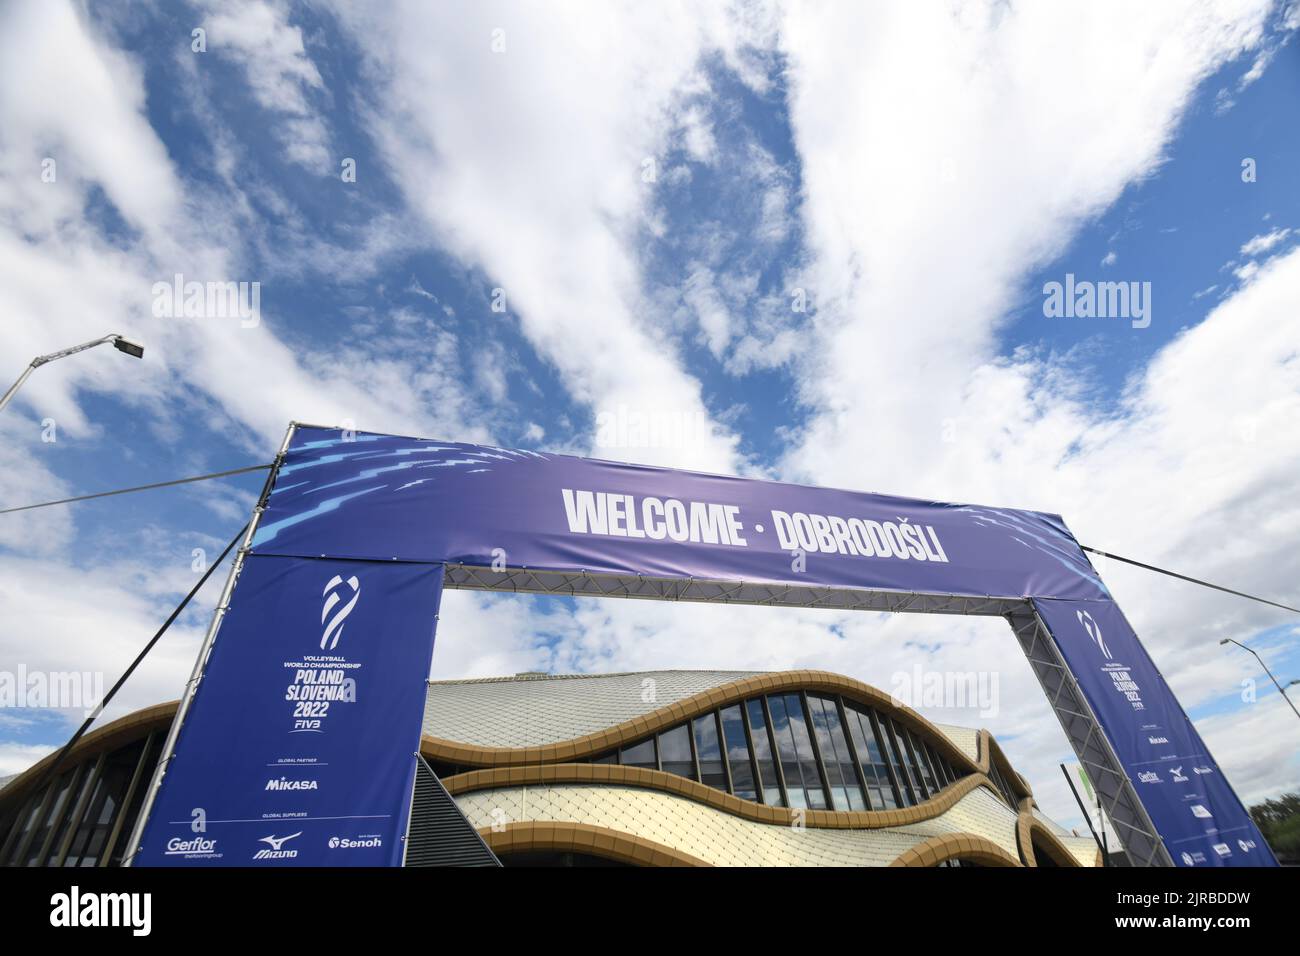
(334, 627)
(1094, 631)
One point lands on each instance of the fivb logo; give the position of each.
(334, 628)
(1094, 632)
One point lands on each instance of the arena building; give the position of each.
(661, 768)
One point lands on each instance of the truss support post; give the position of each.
(1142, 844)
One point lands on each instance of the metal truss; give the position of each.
(1119, 799)
(591, 584)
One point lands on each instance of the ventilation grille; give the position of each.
(439, 833)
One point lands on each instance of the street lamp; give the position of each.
(134, 349)
(1280, 689)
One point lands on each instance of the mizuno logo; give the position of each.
(276, 851)
(276, 842)
(334, 627)
(1094, 631)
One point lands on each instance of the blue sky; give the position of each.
(651, 208)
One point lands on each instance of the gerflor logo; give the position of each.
(334, 627)
(1094, 632)
(276, 851)
(178, 847)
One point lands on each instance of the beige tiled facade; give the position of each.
(535, 710)
(721, 839)
(525, 733)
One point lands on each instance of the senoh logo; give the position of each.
(335, 593)
(275, 848)
(1093, 630)
(349, 843)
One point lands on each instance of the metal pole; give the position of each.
(63, 353)
(1105, 859)
(1101, 819)
(13, 389)
(191, 686)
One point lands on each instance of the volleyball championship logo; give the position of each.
(334, 628)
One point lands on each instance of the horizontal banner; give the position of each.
(379, 497)
(299, 748)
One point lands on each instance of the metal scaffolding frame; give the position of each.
(1094, 751)
(1118, 798)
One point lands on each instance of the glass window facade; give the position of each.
(675, 752)
(640, 755)
(84, 818)
(764, 754)
(736, 742)
(837, 758)
(811, 750)
(713, 773)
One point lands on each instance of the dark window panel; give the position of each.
(738, 758)
(23, 824)
(75, 809)
(899, 737)
(54, 815)
(120, 833)
(786, 752)
(837, 759)
(903, 786)
(764, 753)
(790, 731)
(941, 768)
(812, 780)
(639, 755)
(675, 752)
(707, 746)
(920, 761)
(872, 758)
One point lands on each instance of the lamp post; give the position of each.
(131, 348)
(1280, 689)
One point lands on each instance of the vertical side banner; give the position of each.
(298, 748)
(1195, 811)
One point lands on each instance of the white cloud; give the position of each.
(529, 162)
(1264, 242)
(15, 758)
(281, 75)
(1246, 743)
(67, 96)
